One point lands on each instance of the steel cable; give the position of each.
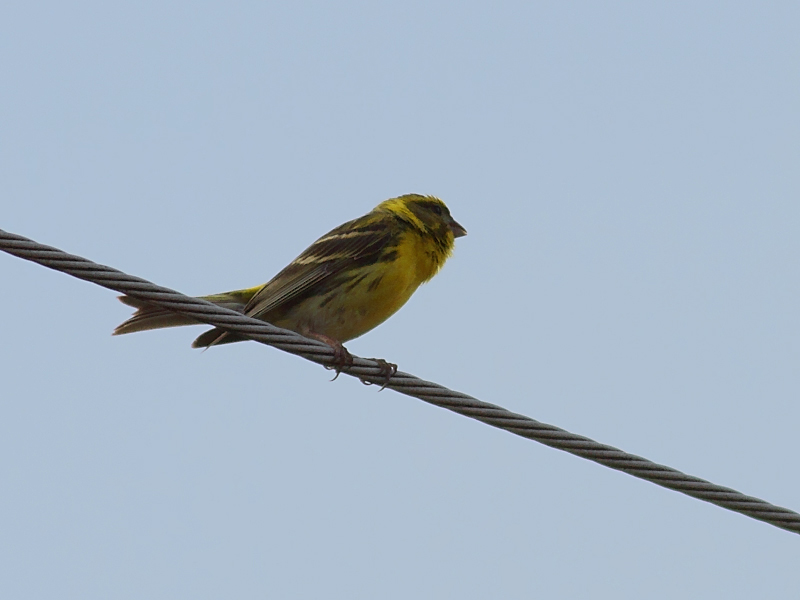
(370, 371)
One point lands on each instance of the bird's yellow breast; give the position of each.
(377, 291)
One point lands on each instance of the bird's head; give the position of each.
(427, 214)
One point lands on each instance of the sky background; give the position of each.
(628, 174)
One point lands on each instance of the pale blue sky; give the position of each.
(628, 175)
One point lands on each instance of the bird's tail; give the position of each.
(149, 316)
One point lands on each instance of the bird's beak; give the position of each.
(458, 230)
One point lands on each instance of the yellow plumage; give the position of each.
(343, 285)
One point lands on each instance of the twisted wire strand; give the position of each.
(370, 371)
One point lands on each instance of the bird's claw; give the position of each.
(387, 370)
(341, 360)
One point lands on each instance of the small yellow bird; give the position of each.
(346, 283)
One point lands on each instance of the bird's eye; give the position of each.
(437, 209)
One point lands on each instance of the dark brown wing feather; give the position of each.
(321, 267)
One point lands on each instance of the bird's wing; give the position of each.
(324, 264)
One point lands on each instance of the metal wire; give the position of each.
(370, 371)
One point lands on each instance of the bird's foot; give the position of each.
(341, 357)
(341, 360)
(387, 370)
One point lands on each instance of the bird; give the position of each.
(343, 285)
